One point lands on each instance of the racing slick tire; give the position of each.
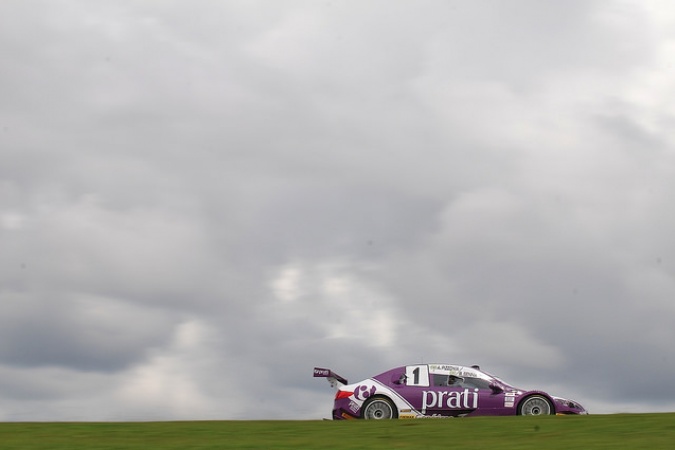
(535, 405)
(379, 408)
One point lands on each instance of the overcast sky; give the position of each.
(202, 200)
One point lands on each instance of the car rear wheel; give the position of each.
(379, 408)
(535, 405)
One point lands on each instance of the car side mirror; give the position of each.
(496, 388)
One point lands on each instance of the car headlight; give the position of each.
(568, 403)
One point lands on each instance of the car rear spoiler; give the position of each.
(333, 378)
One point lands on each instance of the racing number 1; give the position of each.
(417, 375)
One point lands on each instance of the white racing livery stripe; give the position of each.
(363, 391)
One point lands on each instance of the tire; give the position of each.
(379, 408)
(535, 405)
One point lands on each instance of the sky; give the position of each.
(201, 201)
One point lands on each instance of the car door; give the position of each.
(433, 396)
(489, 402)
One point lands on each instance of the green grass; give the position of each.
(634, 431)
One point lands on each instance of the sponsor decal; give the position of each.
(454, 399)
(321, 372)
(353, 406)
(509, 399)
(442, 368)
(406, 416)
(362, 392)
(457, 371)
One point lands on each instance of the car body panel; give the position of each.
(437, 390)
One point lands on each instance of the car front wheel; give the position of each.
(379, 408)
(535, 405)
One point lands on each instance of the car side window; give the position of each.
(479, 383)
(439, 379)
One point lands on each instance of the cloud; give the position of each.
(80, 333)
(198, 205)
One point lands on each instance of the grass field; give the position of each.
(633, 431)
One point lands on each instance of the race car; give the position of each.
(438, 390)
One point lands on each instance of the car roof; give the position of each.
(458, 371)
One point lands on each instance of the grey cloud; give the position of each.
(191, 194)
(89, 334)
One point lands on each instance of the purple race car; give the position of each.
(438, 390)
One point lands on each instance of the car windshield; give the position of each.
(499, 380)
(479, 383)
